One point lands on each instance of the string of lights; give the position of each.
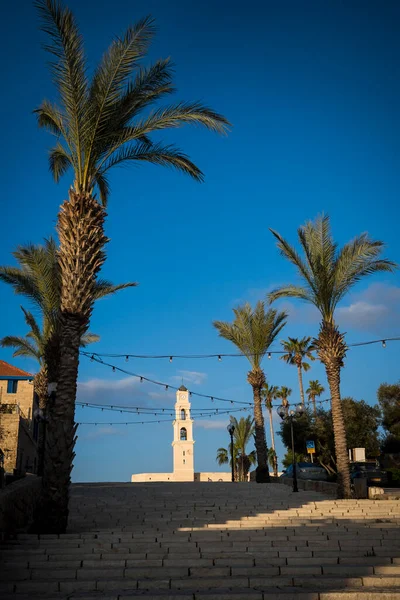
(221, 355)
(146, 422)
(167, 386)
(147, 410)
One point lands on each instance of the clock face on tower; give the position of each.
(182, 397)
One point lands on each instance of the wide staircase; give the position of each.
(206, 541)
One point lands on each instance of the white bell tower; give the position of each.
(183, 444)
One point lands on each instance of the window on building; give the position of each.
(12, 386)
(184, 461)
(183, 434)
(184, 453)
(183, 414)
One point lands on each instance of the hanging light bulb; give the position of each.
(166, 388)
(141, 380)
(383, 343)
(269, 355)
(212, 399)
(170, 359)
(113, 369)
(92, 358)
(219, 358)
(126, 358)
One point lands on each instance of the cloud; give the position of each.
(127, 391)
(375, 309)
(210, 424)
(195, 377)
(102, 431)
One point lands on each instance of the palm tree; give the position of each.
(314, 391)
(273, 460)
(296, 351)
(270, 393)
(244, 431)
(327, 275)
(100, 123)
(284, 393)
(38, 277)
(252, 332)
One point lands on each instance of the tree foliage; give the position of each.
(362, 431)
(106, 120)
(389, 402)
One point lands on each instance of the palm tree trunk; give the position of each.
(314, 401)
(40, 388)
(331, 351)
(300, 383)
(262, 471)
(82, 240)
(271, 428)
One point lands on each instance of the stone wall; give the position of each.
(17, 443)
(149, 477)
(324, 487)
(213, 476)
(18, 502)
(23, 396)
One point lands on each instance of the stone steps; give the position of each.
(201, 541)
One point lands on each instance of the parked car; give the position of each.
(306, 470)
(369, 470)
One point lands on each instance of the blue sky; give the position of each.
(312, 89)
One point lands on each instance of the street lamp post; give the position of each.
(231, 430)
(289, 417)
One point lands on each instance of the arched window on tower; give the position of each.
(183, 434)
(183, 414)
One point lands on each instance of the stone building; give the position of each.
(182, 449)
(18, 429)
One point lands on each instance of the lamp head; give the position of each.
(300, 410)
(231, 428)
(281, 412)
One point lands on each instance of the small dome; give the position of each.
(183, 388)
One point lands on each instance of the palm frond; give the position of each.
(23, 347)
(51, 118)
(21, 282)
(106, 288)
(176, 115)
(59, 161)
(288, 252)
(104, 188)
(290, 291)
(252, 331)
(89, 338)
(112, 73)
(68, 70)
(35, 332)
(167, 156)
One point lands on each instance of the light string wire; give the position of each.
(167, 386)
(221, 355)
(154, 420)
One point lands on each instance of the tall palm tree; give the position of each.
(244, 431)
(296, 351)
(284, 393)
(314, 390)
(327, 275)
(252, 332)
(99, 122)
(37, 276)
(270, 393)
